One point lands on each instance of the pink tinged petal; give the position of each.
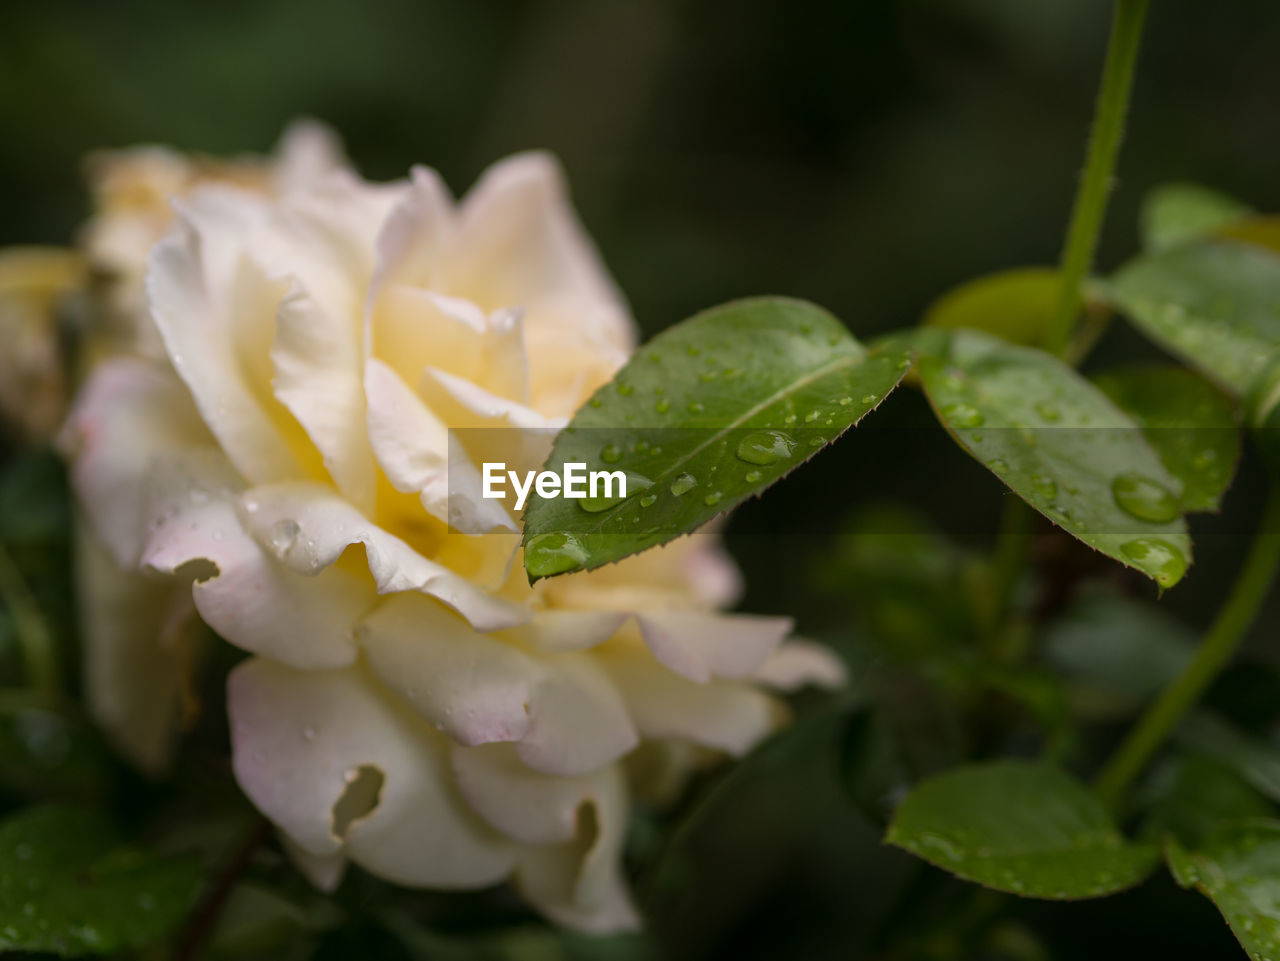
(701, 645)
(798, 663)
(726, 715)
(318, 361)
(136, 653)
(474, 687)
(129, 412)
(580, 884)
(216, 314)
(520, 244)
(327, 757)
(579, 720)
(241, 591)
(324, 871)
(563, 713)
(523, 804)
(320, 526)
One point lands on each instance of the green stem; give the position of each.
(1017, 524)
(38, 652)
(1095, 186)
(1223, 637)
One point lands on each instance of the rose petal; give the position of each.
(701, 645)
(799, 662)
(133, 679)
(320, 526)
(725, 715)
(301, 740)
(127, 413)
(580, 884)
(241, 591)
(562, 711)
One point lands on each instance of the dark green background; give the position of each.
(864, 154)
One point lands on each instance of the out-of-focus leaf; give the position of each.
(259, 923)
(911, 586)
(1116, 652)
(1193, 796)
(33, 499)
(1063, 447)
(707, 414)
(46, 754)
(1015, 305)
(1215, 304)
(1255, 759)
(68, 887)
(1239, 871)
(1262, 231)
(1020, 827)
(1190, 423)
(1172, 214)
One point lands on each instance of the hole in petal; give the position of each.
(359, 799)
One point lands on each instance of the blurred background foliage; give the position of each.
(866, 155)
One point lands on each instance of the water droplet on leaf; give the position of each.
(765, 447)
(554, 553)
(1143, 498)
(683, 484)
(1165, 562)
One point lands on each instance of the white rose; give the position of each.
(412, 705)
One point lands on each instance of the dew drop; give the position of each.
(648, 500)
(999, 466)
(789, 419)
(611, 454)
(282, 535)
(845, 401)
(596, 402)
(1044, 487)
(696, 408)
(626, 390)
(810, 417)
(1049, 412)
(963, 415)
(683, 484)
(1143, 498)
(869, 398)
(753, 476)
(554, 553)
(712, 498)
(765, 447)
(1165, 562)
(662, 406)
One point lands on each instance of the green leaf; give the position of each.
(1062, 446)
(1190, 423)
(1255, 759)
(1176, 213)
(1239, 871)
(709, 413)
(1021, 827)
(66, 887)
(1015, 305)
(1116, 652)
(1215, 304)
(1193, 797)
